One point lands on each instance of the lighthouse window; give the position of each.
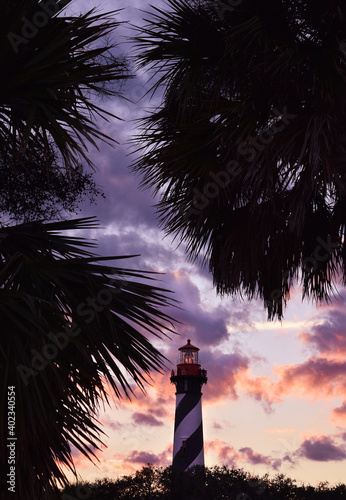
(188, 357)
(185, 385)
(184, 447)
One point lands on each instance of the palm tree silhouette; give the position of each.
(74, 326)
(247, 148)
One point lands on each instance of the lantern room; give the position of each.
(188, 354)
(189, 376)
(188, 360)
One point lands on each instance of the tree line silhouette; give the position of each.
(202, 483)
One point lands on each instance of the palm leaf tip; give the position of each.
(52, 77)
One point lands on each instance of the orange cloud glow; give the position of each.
(339, 414)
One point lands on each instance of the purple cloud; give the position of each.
(255, 458)
(146, 419)
(115, 426)
(217, 426)
(227, 455)
(142, 457)
(321, 449)
(329, 334)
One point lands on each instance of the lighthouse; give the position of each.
(188, 447)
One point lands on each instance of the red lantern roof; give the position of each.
(188, 346)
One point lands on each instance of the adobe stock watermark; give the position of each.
(228, 6)
(59, 341)
(253, 483)
(310, 264)
(11, 438)
(81, 492)
(249, 149)
(30, 27)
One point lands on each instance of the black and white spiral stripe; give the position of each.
(188, 432)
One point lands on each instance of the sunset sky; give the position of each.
(275, 400)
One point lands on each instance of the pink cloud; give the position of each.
(280, 431)
(319, 377)
(158, 400)
(161, 411)
(224, 370)
(316, 377)
(107, 422)
(260, 388)
(230, 374)
(225, 452)
(339, 413)
(82, 462)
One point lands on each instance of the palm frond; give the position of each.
(247, 148)
(51, 79)
(74, 327)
